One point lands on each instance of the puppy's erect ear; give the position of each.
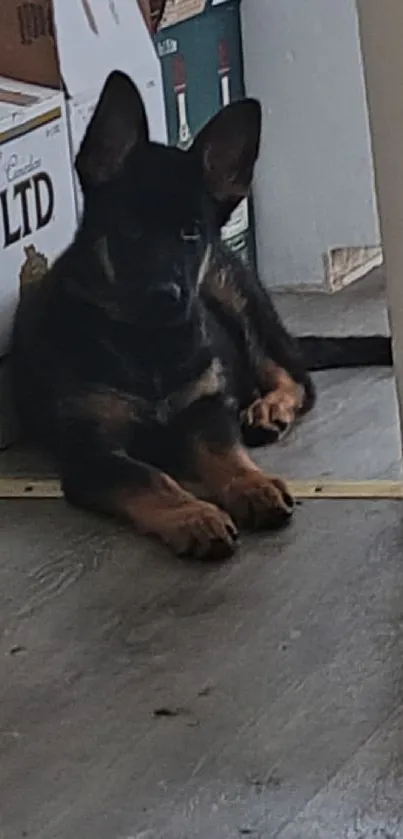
(229, 147)
(118, 124)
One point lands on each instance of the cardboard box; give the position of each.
(176, 11)
(203, 71)
(146, 12)
(75, 45)
(27, 46)
(37, 209)
(152, 12)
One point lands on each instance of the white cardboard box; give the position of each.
(108, 36)
(37, 209)
(76, 44)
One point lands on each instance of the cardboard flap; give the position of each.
(27, 47)
(175, 12)
(17, 99)
(157, 9)
(95, 37)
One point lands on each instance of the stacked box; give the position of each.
(202, 71)
(177, 11)
(73, 46)
(37, 209)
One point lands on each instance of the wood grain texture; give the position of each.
(146, 697)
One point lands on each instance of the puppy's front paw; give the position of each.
(257, 502)
(199, 530)
(269, 418)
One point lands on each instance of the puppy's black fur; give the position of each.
(148, 348)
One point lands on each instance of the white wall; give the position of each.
(314, 184)
(382, 47)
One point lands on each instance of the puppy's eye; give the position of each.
(191, 233)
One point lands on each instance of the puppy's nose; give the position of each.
(167, 295)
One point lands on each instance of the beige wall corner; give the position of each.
(381, 28)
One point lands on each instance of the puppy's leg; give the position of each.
(279, 403)
(228, 475)
(283, 388)
(109, 481)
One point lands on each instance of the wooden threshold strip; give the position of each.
(375, 489)
(19, 487)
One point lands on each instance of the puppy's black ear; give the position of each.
(229, 147)
(118, 123)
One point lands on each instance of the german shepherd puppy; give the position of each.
(148, 350)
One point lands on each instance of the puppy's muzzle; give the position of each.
(166, 302)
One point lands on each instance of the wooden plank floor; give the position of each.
(145, 697)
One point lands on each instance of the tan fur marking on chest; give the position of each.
(112, 410)
(209, 383)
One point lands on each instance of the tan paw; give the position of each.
(269, 417)
(200, 530)
(257, 502)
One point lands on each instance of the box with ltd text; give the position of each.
(38, 214)
(74, 45)
(203, 71)
(37, 208)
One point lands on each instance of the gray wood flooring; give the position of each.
(146, 698)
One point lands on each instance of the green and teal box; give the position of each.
(202, 70)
